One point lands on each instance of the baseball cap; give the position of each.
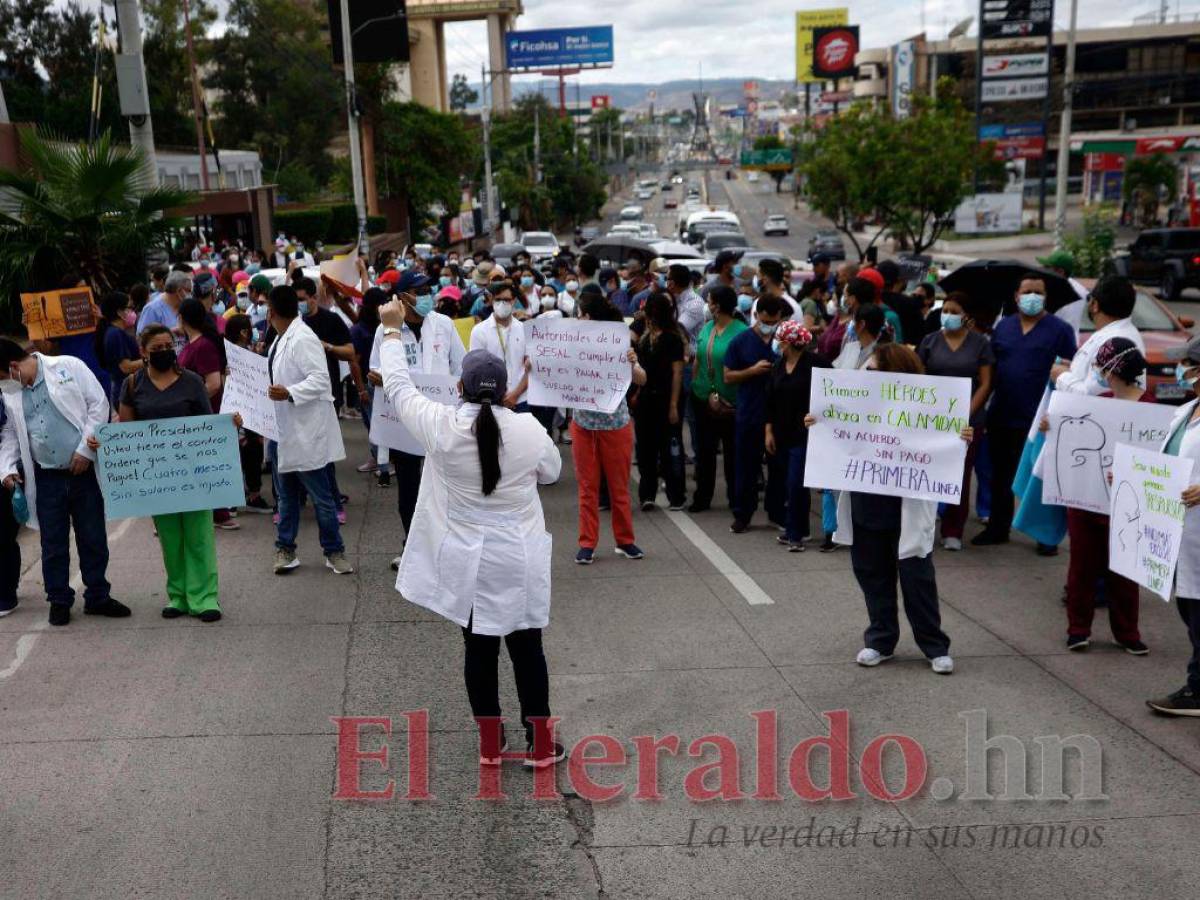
(450, 291)
(261, 284)
(1059, 259)
(203, 284)
(483, 376)
(1189, 352)
(387, 277)
(411, 280)
(725, 258)
(817, 258)
(239, 276)
(873, 276)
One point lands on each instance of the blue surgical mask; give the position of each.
(765, 329)
(1100, 379)
(739, 270)
(303, 307)
(218, 308)
(526, 281)
(745, 301)
(624, 284)
(445, 281)
(253, 269)
(424, 305)
(1031, 304)
(952, 321)
(775, 347)
(662, 281)
(1181, 375)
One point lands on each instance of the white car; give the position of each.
(632, 214)
(648, 231)
(775, 225)
(645, 194)
(752, 177)
(631, 228)
(540, 244)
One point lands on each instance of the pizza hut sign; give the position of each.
(834, 50)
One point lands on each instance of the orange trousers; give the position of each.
(608, 454)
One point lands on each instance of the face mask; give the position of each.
(549, 301)
(129, 317)
(424, 305)
(951, 321)
(502, 309)
(162, 360)
(755, 284)
(304, 307)
(662, 281)
(766, 330)
(1100, 379)
(243, 303)
(572, 287)
(738, 270)
(708, 313)
(831, 308)
(1031, 304)
(261, 311)
(624, 284)
(1181, 375)
(526, 281)
(218, 308)
(745, 301)
(776, 347)
(444, 281)
(253, 269)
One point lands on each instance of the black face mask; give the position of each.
(162, 360)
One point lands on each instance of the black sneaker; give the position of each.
(556, 755)
(384, 480)
(1181, 703)
(172, 612)
(739, 527)
(1047, 550)
(1137, 648)
(1078, 642)
(795, 547)
(210, 615)
(60, 614)
(110, 608)
(256, 505)
(827, 545)
(988, 538)
(585, 556)
(698, 507)
(630, 551)
(648, 505)
(605, 507)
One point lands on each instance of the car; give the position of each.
(828, 243)
(504, 254)
(632, 213)
(670, 203)
(753, 177)
(631, 228)
(1169, 257)
(540, 244)
(715, 242)
(677, 179)
(752, 258)
(647, 231)
(776, 225)
(644, 194)
(1161, 330)
(666, 186)
(585, 234)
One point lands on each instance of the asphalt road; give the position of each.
(151, 758)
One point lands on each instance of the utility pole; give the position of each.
(356, 164)
(131, 83)
(3, 107)
(488, 188)
(1064, 136)
(537, 145)
(187, 33)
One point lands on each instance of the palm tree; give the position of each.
(1147, 180)
(80, 209)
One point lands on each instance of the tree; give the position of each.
(1148, 181)
(1092, 246)
(79, 209)
(164, 49)
(425, 154)
(462, 94)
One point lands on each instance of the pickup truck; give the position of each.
(1168, 257)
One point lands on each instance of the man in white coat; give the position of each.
(503, 336)
(53, 404)
(1110, 306)
(309, 435)
(479, 553)
(432, 347)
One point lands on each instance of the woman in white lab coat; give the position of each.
(1183, 439)
(479, 553)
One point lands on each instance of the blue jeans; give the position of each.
(65, 500)
(799, 502)
(829, 512)
(316, 483)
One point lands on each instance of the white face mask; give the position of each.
(502, 309)
(549, 301)
(572, 287)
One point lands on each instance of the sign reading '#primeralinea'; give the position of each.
(887, 433)
(559, 47)
(577, 364)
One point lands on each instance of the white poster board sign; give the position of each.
(1146, 517)
(887, 433)
(577, 364)
(989, 214)
(246, 391)
(1084, 433)
(386, 428)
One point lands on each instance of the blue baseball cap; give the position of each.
(411, 280)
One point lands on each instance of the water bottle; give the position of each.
(20, 505)
(676, 451)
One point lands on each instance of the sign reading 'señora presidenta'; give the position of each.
(888, 433)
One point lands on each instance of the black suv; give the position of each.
(1168, 256)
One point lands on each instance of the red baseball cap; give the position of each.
(388, 276)
(873, 276)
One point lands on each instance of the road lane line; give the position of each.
(26, 642)
(742, 583)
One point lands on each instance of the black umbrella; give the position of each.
(995, 281)
(620, 248)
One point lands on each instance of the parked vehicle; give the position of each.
(540, 244)
(504, 254)
(1168, 257)
(776, 224)
(648, 231)
(586, 234)
(717, 241)
(632, 213)
(669, 202)
(827, 242)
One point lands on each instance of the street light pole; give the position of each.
(1064, 136)
(141, 132)
(489, 189)
(187, 32)
(356, 165)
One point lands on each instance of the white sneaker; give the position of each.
(952, 544)
(396, 563)
(868, 657)
(943, 665)
(337, 562)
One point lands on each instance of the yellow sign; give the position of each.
(806, 21)
(52, 314)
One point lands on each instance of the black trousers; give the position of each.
(252, 461)
(712, 432)
(654, 433)
(874, 555)
(408, 484)
(10, 553)
(481, 665)
(1189, 611)
(1006, 445)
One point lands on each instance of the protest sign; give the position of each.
(51, 314)
(246, 391)
(1084, 432)
(577, 364)
(1146, 516)
(341, 273)
(888, 433)
(386, 428)
(164, 466)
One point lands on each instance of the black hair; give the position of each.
(110, 304)
(1115, 296)
(890, 272)
(591, 289)
(10, 352)
(181, 267)
(193, 314)
(660, 310)
(159, 272)
(235, 325)
(772, 269)
(487, 438)
(368, 313)
(139, 294)
(307, 285)
(927, 289)
(772, 306)
(283, 301)
(725, 298)
(680, 276)
(862, 290)
(597, 307)
(588, 265)
(869, 317)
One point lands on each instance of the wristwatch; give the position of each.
(390, 330)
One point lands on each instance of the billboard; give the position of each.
(1006, 89)
(552, 48)
(989, 214)
(1015, 18)
(1026, 140)
(1009, 65)
(834, 49)
(806, 21)
(778, 159)
(904, 69)
(384, 40)
(601, 101)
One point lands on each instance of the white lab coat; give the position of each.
(471, 557)
(484, 337)
(1079, 380)
(1187, 572)
(918, 521)
(75, 393)
(309, 435)
(441, 350)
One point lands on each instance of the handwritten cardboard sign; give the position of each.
(51, 314)
(164, 466)
(1083, 436)
(1145, 523)
(888, 433)
(577, 364)
(246, 391)
(386, 428)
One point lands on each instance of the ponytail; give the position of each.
(487, 437)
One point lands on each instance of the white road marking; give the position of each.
(742, 583)
(26, 642)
